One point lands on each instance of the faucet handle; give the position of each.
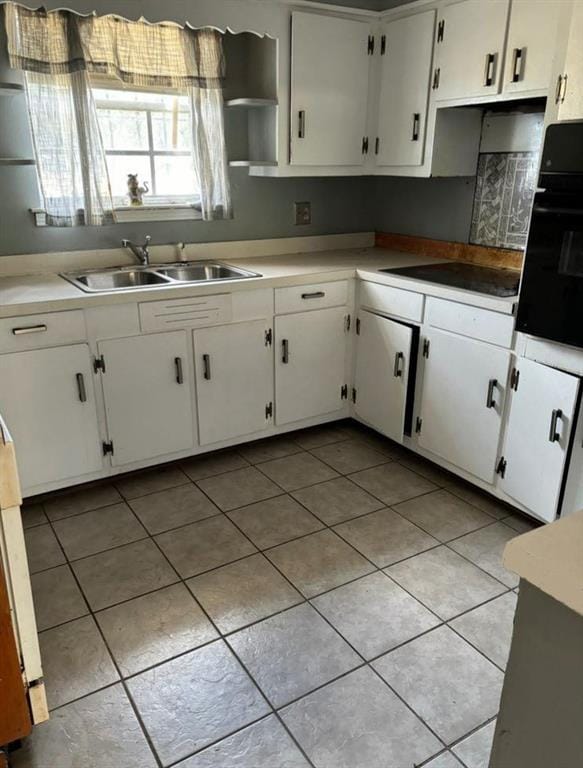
(148, 238)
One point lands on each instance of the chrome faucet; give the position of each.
(141, 252)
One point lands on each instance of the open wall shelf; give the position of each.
(16, 161)
(10, 89)
(251, 103)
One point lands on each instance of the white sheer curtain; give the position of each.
(60, 50)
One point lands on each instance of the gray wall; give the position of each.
(437, 208)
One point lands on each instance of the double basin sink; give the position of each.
(154, 276)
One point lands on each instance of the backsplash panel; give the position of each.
(505, 187)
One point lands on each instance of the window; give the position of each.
(147, 134)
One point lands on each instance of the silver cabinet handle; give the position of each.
(178, 368)
(561, 89)
(285, 351)
(301, 124)
(29, 329)
(517, 59)
(490, 401)
(416, 122)
(490, 69)
(397, 370)
(81, 387)
(314, 295)
(206, 362)
(555, 436)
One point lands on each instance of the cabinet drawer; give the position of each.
(482, 324)
(36, 331)
(392, 301)
(302, 297)
(192, 312)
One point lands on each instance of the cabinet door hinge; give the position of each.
(353, 395)
(347, 323)
(383, 44)
(426, 345)
(268, 337)
(269, 410)
(358, 326)
(370, 45)
(344, 392)
(514, 378)
(436, 77)
(99, 364)
(107, 448)
(440, 31)
(418, 425)
(501, 467)
(377, 144)
(365, 145)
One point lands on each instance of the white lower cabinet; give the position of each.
(543, 404)
(464, 384)
(148, 395)
(383, 358)
(310, 364)
(234, 380)
(48, 403)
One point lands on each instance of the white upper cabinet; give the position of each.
(406, 51)
(469, 49)
(329, 89)
(464, 384)
(310, 364)
(383, 358)
(147, 385)
(542, 409)
(569, 71)
(530, 46)
(48, 403)
(234, 380)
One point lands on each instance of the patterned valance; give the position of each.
(136, 52)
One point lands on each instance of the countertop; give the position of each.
(30, 294)
(551, 558)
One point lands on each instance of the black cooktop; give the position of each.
(494, 282)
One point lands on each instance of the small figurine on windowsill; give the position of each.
(135, 192)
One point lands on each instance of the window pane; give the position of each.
(170, 130)
(123, 129)
(119, 166)
(175, 176)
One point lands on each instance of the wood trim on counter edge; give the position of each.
(445, 249)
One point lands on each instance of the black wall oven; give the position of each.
(551, 292)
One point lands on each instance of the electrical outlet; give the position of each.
(303, 213)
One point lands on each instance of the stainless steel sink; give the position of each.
(188, 273)
(154, 276)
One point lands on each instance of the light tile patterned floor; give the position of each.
(265, 606)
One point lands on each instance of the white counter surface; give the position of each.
(30, 294)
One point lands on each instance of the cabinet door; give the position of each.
(383, 356)
(148, 395)
(405, 73)
(310, 364)
(464, 383)
(530, 46)
(469, 48)
(47, 400)
(569, 90)
(542, 410)
(234, 380)
(329, 89)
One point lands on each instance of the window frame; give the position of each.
(151, 153)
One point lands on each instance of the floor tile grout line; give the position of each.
(116, 667)
(339, 633)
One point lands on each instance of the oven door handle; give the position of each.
(567, 211)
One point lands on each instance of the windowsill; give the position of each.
(140, 213)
